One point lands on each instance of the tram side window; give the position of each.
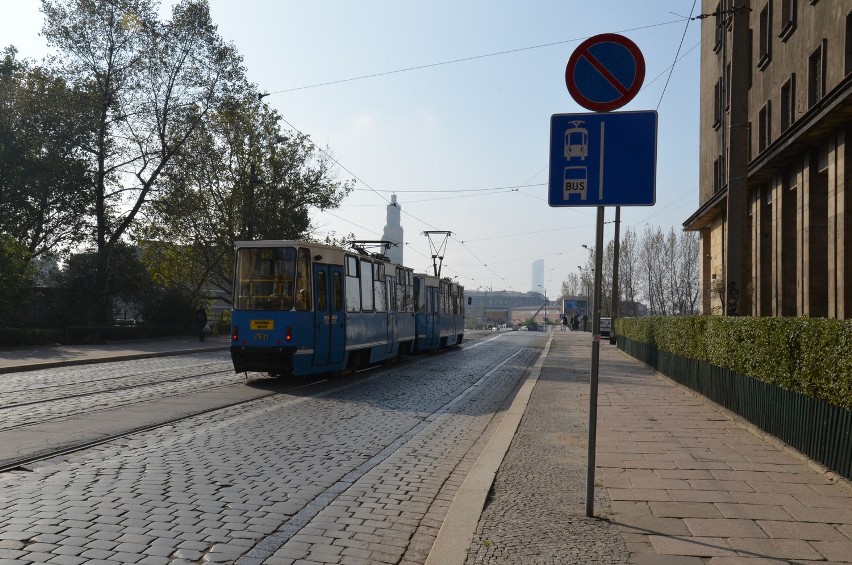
(442, 306)
(337, 291)
(461, 301)
(303, 280)
(420, 295)
(322, 292)
(353, 285)
(266, 278)
(366, 286)
(400, 291)
(409, 291)
(379, 298)
(393, 303)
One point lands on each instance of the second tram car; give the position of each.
(303, 308)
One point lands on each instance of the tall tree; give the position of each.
(240, 177)
(16, 275)
(628, 271)
(150, 85)
(43, 177)
(690, 282)
(571, 286)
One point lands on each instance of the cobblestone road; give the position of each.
(362, 473)
(36, 396)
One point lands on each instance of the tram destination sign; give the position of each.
(603, 159)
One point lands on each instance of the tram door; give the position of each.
(329, 318)
(393, 329)
(433, 323)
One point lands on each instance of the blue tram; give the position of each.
(303, 308)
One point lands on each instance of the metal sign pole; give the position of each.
(593, 388)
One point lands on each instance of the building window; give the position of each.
(788, 19)
(717, 104)
(788, 102)
(816, 74)
(719, 180)
(764, 125)
(726, 87)
(765, 39)
(720, 22)
(848, 43)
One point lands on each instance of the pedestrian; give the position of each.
(585, 322)
(201, 320)
(564, 321)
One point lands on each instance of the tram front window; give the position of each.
(266, 278)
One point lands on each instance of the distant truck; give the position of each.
(606, 327)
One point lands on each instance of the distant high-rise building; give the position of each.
(538, 275)
(393, 232)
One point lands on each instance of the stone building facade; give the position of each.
(775, 204)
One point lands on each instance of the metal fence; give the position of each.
(820, 430)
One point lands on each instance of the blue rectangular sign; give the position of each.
(603, 159)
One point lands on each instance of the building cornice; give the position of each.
(833, 110)
(708, 211)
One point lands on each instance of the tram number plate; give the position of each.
(262, 324)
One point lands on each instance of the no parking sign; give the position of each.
(605, 72)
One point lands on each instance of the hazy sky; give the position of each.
(461, 109)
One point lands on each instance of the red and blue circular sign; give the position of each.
(605, 72)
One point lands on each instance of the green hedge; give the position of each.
(812, 356)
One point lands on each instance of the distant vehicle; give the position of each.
(524, 329)
(606, 327)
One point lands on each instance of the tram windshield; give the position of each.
(266, 278)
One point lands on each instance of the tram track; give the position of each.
(66, 396)
(280, 386)
(21, 463)
(229, 381)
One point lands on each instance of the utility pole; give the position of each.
(737, 261)
(615, 291)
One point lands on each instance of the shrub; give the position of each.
(811, 356)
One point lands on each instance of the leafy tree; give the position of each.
(241, 177)
(150, 84)
(126, 279)
(16, 275)
(43, 125)
(628, 271)
(571, 286)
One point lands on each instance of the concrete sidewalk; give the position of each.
(13, 359)
(679, 479)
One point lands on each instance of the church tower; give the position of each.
(393, 232)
